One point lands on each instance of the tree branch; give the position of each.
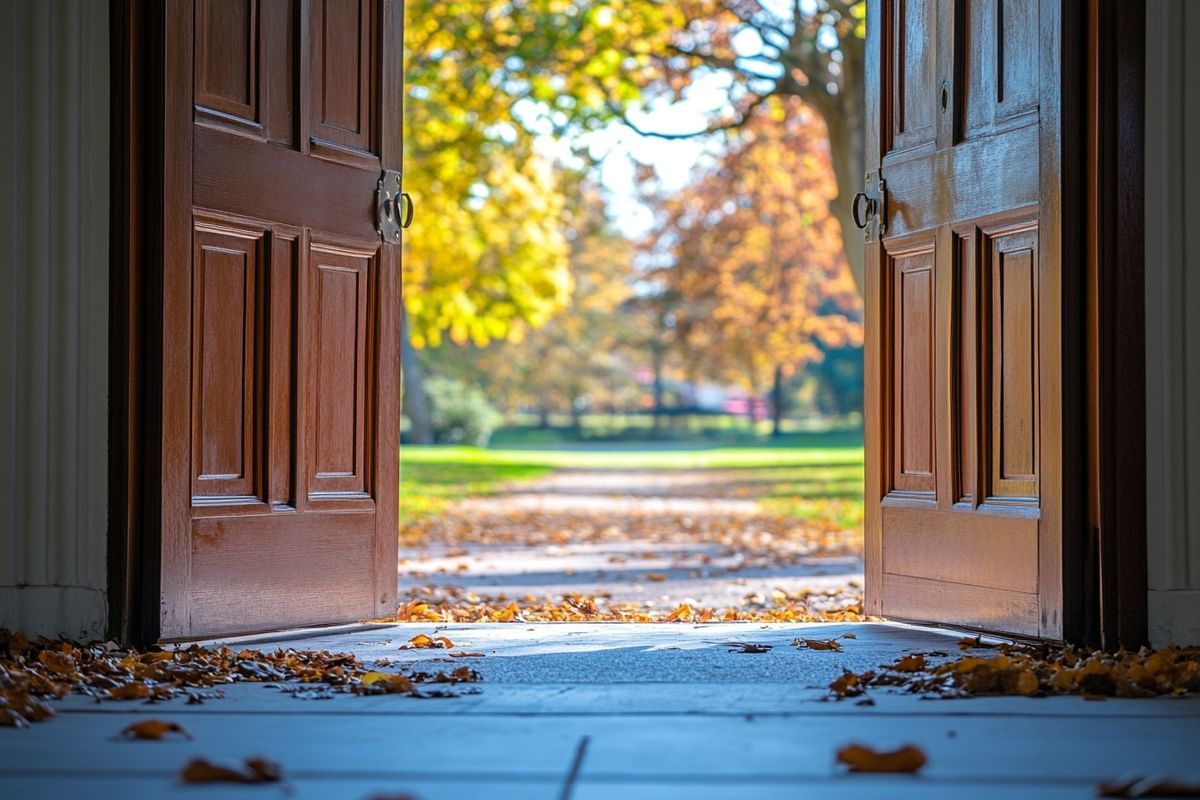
(742, 118)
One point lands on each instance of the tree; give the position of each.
(751, 249)
(486, 258)
(810, 49)
(575, 360)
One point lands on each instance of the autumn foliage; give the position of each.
(753, 256)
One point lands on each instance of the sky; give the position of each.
(619, 149)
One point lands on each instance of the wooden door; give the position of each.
(281, 311)
(965, 290)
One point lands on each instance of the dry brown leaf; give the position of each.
(748, 647)
(850, 684)
(424, 642)
(252, 770)
(460, 675)
(913, 662)
(152, 729)
(1148, 787)
(137, 691)
(818, 644)
(657, 577)
(61, 663)
(861, 758)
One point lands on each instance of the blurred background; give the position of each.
(631, 222)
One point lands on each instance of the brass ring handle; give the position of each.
(405, 199)
(862, 218)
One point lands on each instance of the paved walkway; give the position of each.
(648, 538)
(614, 711)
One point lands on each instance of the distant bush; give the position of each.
(460, 414)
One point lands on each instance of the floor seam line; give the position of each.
(576, 765)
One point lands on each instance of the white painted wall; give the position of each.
(54, 171)
(1173, 319)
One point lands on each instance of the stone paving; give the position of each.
(613, 711)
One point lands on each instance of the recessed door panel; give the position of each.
(1000, 68)
(912, 373)
(342, 107)
(337, 362)
(227, 38)
(225, 363)
(1012, 261)
(913, 53)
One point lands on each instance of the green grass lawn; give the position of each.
(815, 476)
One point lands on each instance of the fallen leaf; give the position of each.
(464, 654)
(137, 691)
(818, 644)
(861, 758)
(61, 663)
(252, 770)
(850, 684)
(423, 642)
(914, 662)
(152, 729)
(460, 675)
(748, 647)
(1148, 787)
(657, 577)
(682, 613)
(385, 683)
(969, 642)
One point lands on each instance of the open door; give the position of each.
(966, 456)
(280, 312)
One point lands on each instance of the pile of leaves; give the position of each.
(35, 671)
(741, 540)
(1035, 671)
(448, 604)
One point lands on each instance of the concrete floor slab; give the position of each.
(603, 711)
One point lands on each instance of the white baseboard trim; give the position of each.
(1174, 617)
(70, 612)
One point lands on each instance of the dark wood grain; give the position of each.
(1116, 317)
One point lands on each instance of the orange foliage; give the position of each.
(754, 256)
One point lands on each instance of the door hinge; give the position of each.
(393, 207)
(870, 207)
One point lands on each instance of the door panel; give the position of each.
(337, 354)
(281, 117)
(913, 120)
(225, 312)
(963, 323)
(912, 372)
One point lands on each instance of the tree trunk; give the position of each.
(846, 149)
(777, 403)
(416, 404)
(845, 118)
(543, 417)
(658, 390)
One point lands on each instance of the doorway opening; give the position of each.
(634, 313)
